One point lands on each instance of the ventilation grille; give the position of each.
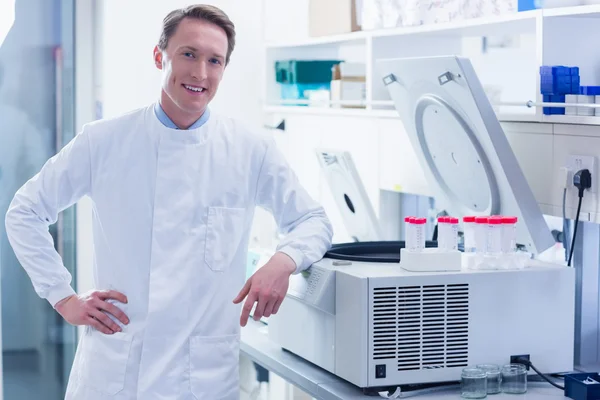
(422, 327)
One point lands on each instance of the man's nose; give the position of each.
(200, 70)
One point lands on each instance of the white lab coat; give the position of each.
(172, 216)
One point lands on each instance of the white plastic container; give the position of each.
(571, 98)
(494, 241)
(509, 234)
(469, 234)
(481, 234)
(419, 225)
(586, 99)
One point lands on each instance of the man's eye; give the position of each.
(215, 61)
(188, 54)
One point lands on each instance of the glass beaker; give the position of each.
(473, 383)
(514, 379)
(494, 377)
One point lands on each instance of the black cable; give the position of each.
(581, 180)
(575, 232)
(528, 363)
(544, 377)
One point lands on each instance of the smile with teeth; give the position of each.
(194, 88)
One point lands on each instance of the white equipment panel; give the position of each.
(349, 194)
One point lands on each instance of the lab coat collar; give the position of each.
(192, 136)
(168, 122)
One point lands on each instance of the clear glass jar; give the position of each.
(514, 379)
(493, 376)
(473, 383)
(509, 234)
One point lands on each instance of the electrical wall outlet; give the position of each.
(576, 163)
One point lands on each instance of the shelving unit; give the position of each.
(561, 36)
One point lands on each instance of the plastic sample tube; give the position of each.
(481, 234)
(469, 225)
(494, 242)
(509, 234)
(420, 233)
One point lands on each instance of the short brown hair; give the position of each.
(199, 11)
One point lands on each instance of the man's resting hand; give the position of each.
(91, 309)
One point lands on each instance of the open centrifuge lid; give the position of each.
(466, 157)
(349, 194)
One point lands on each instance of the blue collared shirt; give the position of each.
(166, 121)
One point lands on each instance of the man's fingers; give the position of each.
(243, 293)
(106, 321)
(99, 326)
(269, 308)
(112, 294)
(114, 310)
(277, 304)
(247, 308)
(259, 311)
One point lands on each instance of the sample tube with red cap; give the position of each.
(419, 226)
(509, 234)
(494, 242)
(409, 242)
(469, 226)
(442, 233)
(452, 243)
(481, 234)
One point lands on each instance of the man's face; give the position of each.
(193, 64)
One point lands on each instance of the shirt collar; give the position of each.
(166, 121)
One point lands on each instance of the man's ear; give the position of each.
(158, 57)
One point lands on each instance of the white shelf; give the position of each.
(513, 23)
(571, 119)
(591, 11)
(365, 113)
(346, 38)
(335, 112)
(516, 22)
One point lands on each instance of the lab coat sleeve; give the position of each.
(308, 232)
(61, 182)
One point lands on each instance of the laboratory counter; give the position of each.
(322, 385)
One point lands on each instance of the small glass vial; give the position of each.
(481, 234)
(509, 234)
(442, 233)
(419, 227)
(452, 242)
(469, 227)
(473, 383)
(494, 377)
(514, 379)
(494, 241)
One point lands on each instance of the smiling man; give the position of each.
(174, 190)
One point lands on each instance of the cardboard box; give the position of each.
(348, 83)
(333, 17)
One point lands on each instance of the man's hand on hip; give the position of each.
(268, 286)
(92, 308)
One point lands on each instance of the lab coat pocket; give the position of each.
(105, 360)
(224, 231)
(214, 367)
